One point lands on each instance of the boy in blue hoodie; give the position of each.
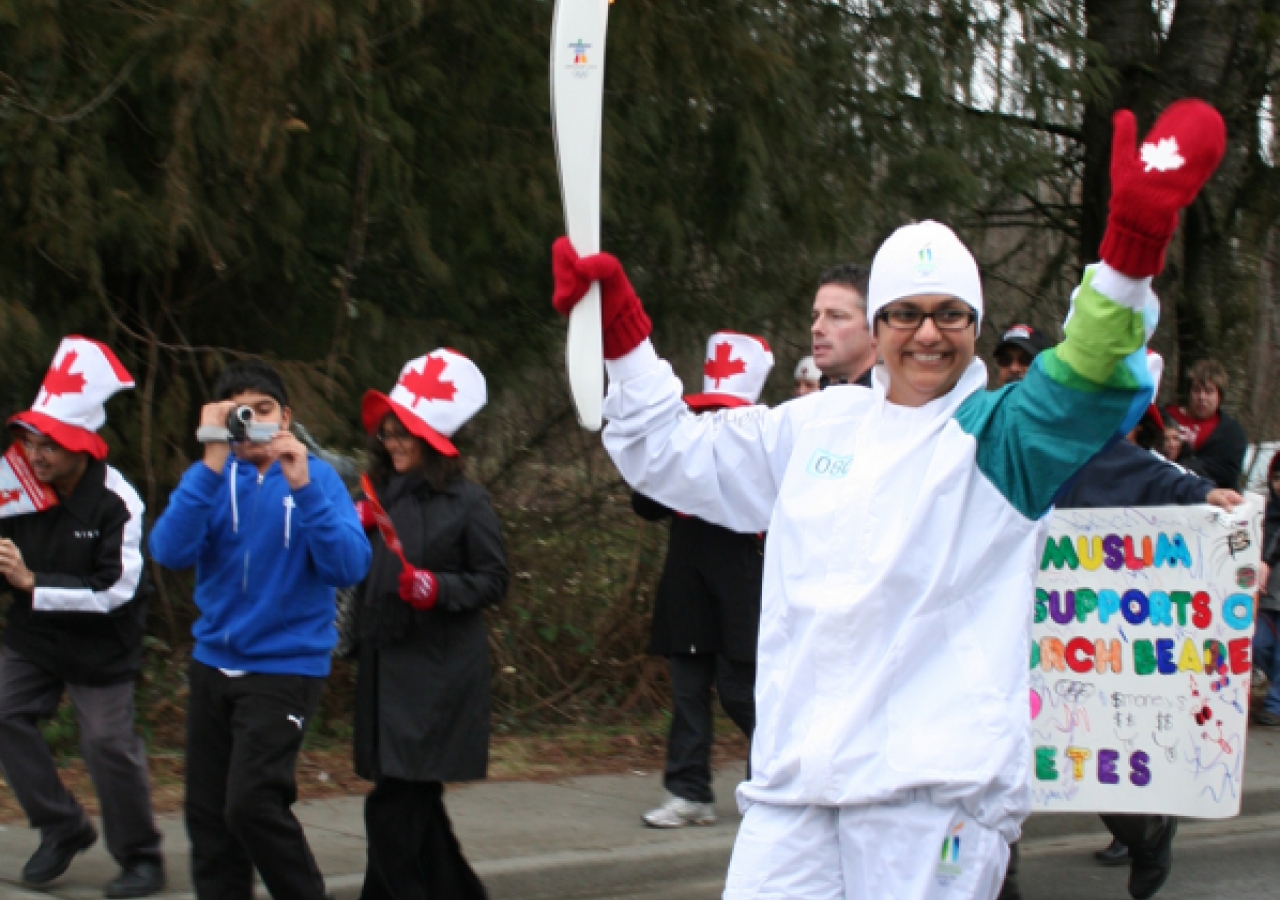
(271, 532)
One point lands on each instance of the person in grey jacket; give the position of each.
(422, 691)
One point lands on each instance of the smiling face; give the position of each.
(52, 463)
(925, 362)
(842, 342)
(405, 450)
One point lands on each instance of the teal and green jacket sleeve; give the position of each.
(1077, 399)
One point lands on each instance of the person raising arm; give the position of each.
(903, 526)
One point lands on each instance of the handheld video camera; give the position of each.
(242, 426)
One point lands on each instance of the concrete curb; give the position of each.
(586, 874)
(512, 833)
(595, 873)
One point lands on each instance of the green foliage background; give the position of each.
(341, 185)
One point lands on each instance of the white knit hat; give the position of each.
(70, 407)
(923, 258)
(434, 396)
(734, 372)
(807, 370)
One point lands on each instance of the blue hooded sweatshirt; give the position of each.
(267, 559)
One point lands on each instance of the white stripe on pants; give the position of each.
(876, 852)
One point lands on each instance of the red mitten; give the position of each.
(364, 510)
(622, 318)
(418, 588)
(1149, 186)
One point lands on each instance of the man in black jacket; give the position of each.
(706, 619)
(1201, 436)
(844, 349)
(75, 574)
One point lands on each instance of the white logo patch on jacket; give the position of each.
(825, 464)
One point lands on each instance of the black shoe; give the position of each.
(1266, 719)
(52, 858)
(1009, 890)
(1116, 854)
(138, 879)
(1152, 864)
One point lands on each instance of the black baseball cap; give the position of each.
(1025, 338)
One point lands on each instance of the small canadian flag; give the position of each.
(20, 491)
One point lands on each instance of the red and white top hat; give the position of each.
(435, 395)
(735, 371)
(70, 407)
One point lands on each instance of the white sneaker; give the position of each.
(678, 812)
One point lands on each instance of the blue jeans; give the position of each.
(1266, 655)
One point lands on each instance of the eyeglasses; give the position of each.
(396, 437)
(47, 450)
(1004, 360)
(909, 318)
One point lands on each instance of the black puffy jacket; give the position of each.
(85, 619)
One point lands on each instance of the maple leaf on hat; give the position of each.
(61, 380)
(723, 365)
(426, 385)
(1163, 155)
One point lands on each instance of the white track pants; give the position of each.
(912, 850)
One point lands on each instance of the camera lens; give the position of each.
(237, 421)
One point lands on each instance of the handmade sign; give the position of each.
(577, 95)
(20, 491)
(1140, 660)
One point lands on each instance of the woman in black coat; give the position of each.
(422, 691)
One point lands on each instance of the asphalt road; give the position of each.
(1234, 860)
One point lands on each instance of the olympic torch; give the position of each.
(577, 95)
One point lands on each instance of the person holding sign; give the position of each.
(892, 746)
(75, 573)
(422, 693)
(1128, 475)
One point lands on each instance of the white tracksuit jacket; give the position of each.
(901, 557)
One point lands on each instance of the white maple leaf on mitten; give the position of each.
(1163, 156)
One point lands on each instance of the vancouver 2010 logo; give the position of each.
(581, 66)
